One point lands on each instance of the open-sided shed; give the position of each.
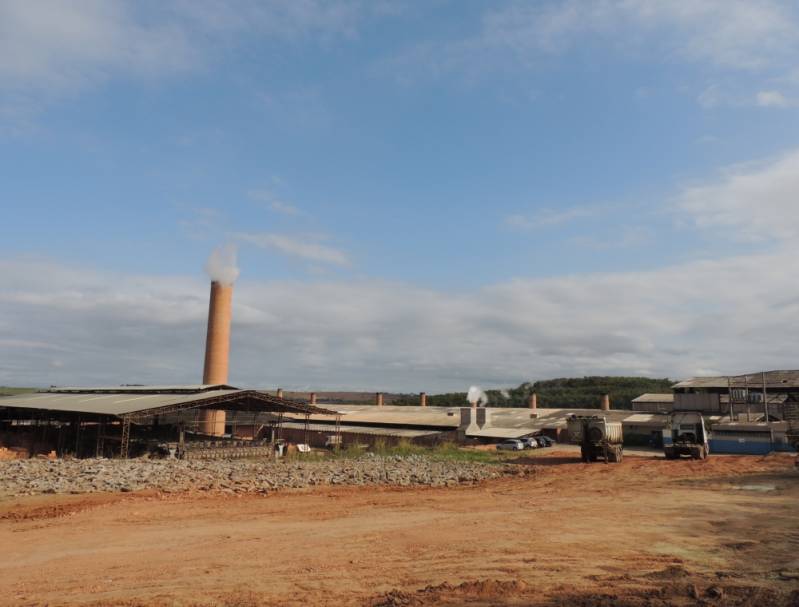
(126, 407)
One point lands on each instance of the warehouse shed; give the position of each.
(114, 418)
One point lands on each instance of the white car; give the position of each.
(511, 445)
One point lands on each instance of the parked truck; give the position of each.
(598, 438)
(685, 434)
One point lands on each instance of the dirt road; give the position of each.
(644, 532)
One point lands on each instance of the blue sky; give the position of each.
(454, 152)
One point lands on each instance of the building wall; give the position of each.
(653, 407)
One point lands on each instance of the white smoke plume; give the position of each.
(221, 265)
(476, 396)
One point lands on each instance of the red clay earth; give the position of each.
(644, 532)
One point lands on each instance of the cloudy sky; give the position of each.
(423, 195)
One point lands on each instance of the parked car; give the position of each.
(531, 443)
(511, 445)
(544, 441)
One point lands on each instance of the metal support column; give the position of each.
(77, 437)
(123, 450)
(729, 395)
(181, 440)
(99, 447)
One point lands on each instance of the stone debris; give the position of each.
(34, 476)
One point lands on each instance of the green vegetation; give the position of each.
(446, 451)
(443, 451)
(9, 391)
(567, 392)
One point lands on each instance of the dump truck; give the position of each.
(685, 434)
(598, 438)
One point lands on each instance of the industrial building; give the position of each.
(127, 420)
(214, 419)
(746, 413)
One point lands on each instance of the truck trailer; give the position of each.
(685, 434)
(598, 438)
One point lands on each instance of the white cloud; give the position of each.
(728, 34)
(755, 203)
(772, 99)
(621, 237)
(305, 247)
(675, 321)
(55, 46)
(548, 217)
(274, 203)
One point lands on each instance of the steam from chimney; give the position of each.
(477, 397)
(221, 265)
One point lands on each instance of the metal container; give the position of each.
(612, 432)
(594, 430)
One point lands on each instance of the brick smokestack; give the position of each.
(280, 392)
(312, 398)
(379, 399)
(533, 402)
(217, 351)
(606, 402)
(422, 399)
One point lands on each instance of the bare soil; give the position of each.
(644, 532)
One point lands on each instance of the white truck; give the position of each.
(685, 434)
(598, 438)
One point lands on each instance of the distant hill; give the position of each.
(566, 392)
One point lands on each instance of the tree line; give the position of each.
(565, 392)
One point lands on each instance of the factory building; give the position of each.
(129, 420)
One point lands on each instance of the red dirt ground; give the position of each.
(644, 532)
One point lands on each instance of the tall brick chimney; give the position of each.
(217, 352)
(379, 399)
(423, 399)
(312, 398)
(606, 402)
(280, 392)
(533, 401)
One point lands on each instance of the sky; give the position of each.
(423, 196)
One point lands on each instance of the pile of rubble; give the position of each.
(32, 476)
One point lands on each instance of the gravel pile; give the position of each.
(32, 476)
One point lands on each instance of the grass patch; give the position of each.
(11, 391)
(446, 451)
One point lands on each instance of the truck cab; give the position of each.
(685, 434)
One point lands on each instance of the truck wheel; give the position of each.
(695, 453)
(583, 454)
(669, 452)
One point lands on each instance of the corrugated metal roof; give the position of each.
(399, 432)
(654, 398)
(774, 380)
(644, 418)
(492, 432)
(176, 389)
(128, 403)
(105, 404)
